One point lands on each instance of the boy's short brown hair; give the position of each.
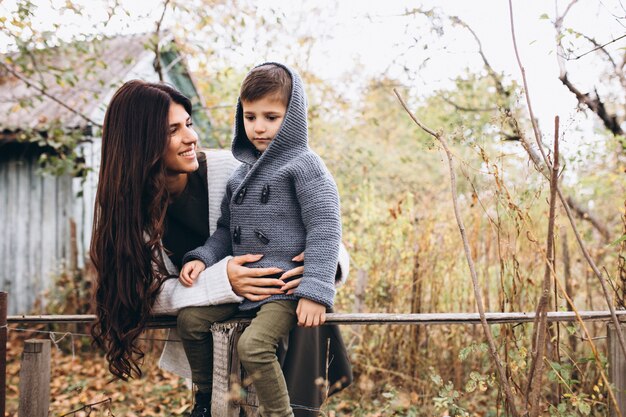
(266, 80)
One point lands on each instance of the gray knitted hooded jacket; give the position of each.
(280, 203)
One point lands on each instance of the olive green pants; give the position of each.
(256, 349)
(194, 328)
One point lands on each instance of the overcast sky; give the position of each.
(365, 37)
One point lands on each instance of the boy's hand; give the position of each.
(190, 272)
(310, 313)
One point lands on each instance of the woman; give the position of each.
(151, 208)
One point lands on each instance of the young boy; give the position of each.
(280, 202)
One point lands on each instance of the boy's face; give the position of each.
(262, 119)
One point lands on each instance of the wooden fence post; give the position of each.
(617, 367)
(3, 352)
(35, 379)
(233, 395)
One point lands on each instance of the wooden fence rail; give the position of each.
(617, 362)
(360, 318)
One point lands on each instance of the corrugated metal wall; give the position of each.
(85, 196)
(35, 215)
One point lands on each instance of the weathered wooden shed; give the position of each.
(46, 219)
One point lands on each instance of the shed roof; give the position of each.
(81, 75)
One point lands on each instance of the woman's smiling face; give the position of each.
(180, 156)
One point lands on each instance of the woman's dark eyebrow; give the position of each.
(177, 124)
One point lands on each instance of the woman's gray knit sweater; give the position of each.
(279, 204)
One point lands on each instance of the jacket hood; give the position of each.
(291, 138)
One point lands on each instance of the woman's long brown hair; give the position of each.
(131, 202)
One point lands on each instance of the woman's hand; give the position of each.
(291, 286)
(246, 282)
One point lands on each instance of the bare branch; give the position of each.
(42, 91)
(499, 86)
(518, 133)
(598, 47)
(28, 52)
(594, 104)
(157, 52)
(533, 121)
(541, 317)
(586, 215)
(594, 267)
(468, 109)
(534, 155)
(578, 314)
(559, 19)
(493, 350)
(36, 67)
(417, 122)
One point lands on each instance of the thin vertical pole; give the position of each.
(617, 368)
(3, 352)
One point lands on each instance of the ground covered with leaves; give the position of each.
(81, 385)
(81, 378)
